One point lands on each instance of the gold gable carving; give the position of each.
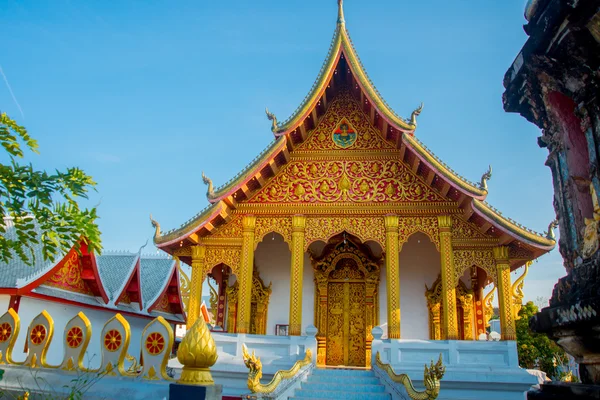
(264, 226)
(358, 181)
(233, 229)
(464, 259)
(364, 228)
(466, 230)
(344, 106)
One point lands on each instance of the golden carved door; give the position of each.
(346, 335)
(346, 281)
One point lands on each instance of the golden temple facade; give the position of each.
(346, 187)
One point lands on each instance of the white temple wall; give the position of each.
(308, 294)
(419, 265)
(273, 258)
(29, 308)
(383, 301)
(4, 302)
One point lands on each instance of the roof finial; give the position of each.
(340, 20)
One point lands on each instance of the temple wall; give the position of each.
(272, 258)
(4, 302)
(419, 266)
(61, 314)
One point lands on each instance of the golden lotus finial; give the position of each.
(341, 12)
(197, 352)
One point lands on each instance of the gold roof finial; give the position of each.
(197, 352)
(341, 20)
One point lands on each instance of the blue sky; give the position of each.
(144, 95)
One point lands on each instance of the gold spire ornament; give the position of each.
(197, 352)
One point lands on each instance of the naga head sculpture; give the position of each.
(432, 376)
(255, 366)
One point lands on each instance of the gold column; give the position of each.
(193, 311)
(296, 274)
(507, 322)
(450, 326)
(392, 275)
(245, 278)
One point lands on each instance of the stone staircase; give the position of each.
(349, 384)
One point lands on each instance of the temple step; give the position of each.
(358, 380)
(341, 384)
(347, 387)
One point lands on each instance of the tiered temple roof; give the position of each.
(343, 71)
(130, 283)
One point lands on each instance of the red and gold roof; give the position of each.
(302, 148)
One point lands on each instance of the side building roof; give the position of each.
(46, 280)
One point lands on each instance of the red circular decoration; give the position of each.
(74, 337)
(5, 331)
(38, 334)
(112, 340)
(155, 343)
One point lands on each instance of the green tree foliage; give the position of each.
(42, 206)
(535, 349)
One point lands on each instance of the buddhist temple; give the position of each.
(346, 221)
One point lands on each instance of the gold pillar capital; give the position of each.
(391, 222)
(445, 222)
(298, 223)
(249, 223)
(501, 253)
(198, 254)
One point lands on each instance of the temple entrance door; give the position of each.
(346, 336)
(346, 282)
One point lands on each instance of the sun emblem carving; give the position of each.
(5, 331)
(38, 334)
(74, 337)
(112, 340)
(155, 343)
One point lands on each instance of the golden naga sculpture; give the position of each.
(214, 296)
(197, 352)
(488, 310)
(255, 366)
(184, 284)
(210, 192)
(431, 379)
(517, 291)
(273, 119)
(551, 227)
(156, 225)
(592, 225)
(484, 178)
(415, 114)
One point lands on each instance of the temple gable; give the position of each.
(344, 110)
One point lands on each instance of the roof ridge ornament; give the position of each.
(340, 19)
(484, 178)
(415, 114)
(156, 225)
(272, 118)
(550, 234)
(210, 192)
